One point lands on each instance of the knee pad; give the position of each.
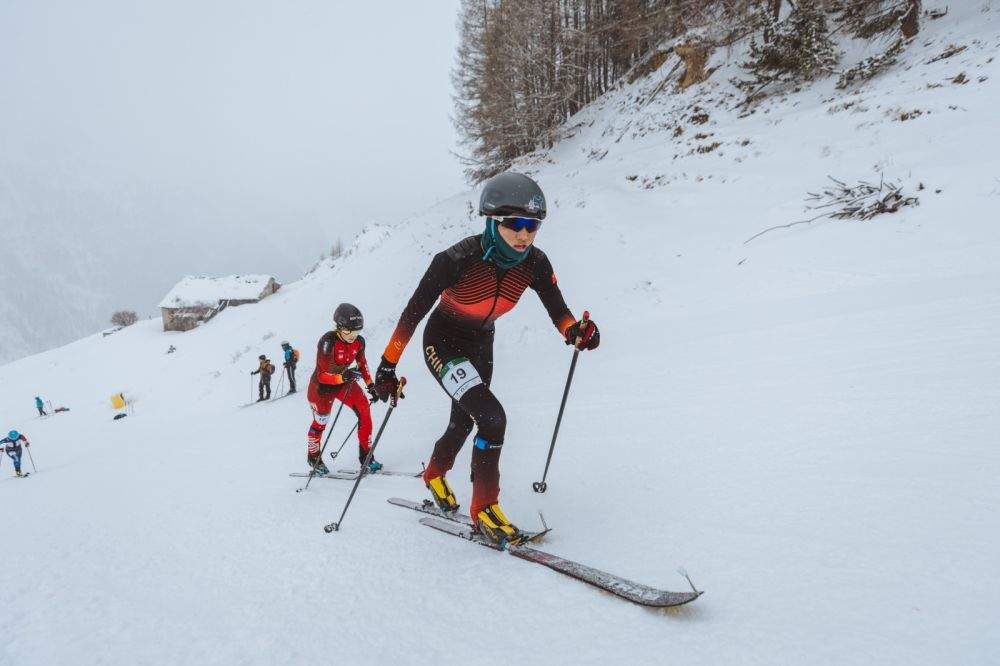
(321, 419)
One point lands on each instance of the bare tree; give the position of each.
(337, 249)
(124, 318)
(524, 67)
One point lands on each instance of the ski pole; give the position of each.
(33, 468)
(281, 383)
(334, 527)
(319, 459)
(541, 486)
(333, 456)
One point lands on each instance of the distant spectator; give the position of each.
(265, 370)
(291, 360)
(40, 406)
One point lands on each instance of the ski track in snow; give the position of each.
(812, 432)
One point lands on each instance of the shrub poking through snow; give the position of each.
(862, 201)
(841, 201)
(868, 19)
(873, 66)
(124, 318)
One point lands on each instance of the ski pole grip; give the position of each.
(399, 392)
(584, 323)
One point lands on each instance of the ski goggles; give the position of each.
(529, 224)
(347, 335)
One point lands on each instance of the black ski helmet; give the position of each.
(348, 317)
(511, 194)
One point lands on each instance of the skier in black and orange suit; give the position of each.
(334, 379)
(478, 280)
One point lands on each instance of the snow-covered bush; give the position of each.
(798, 48)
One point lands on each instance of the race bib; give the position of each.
(458, 376)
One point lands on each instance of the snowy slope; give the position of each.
(807, 422)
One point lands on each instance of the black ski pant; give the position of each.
(291, 376)
(264, 385)
(449, 354)
(41, 412)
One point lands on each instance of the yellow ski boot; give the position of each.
(494, 525)
(442, 493)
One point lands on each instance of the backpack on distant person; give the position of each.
(295, 355)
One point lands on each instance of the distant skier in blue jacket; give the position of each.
(40, 406)
(291, 360)
(11, 445)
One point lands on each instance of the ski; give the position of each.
(387, 472)
(431, 508)
(331, 475)
(255, 402)
(352, 475)
(621, 587)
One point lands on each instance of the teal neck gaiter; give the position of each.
(497, 250)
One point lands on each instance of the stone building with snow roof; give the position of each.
(196, 299)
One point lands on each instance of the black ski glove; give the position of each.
(583, 334)
(351, 375)
(386, 383)
(372, 392)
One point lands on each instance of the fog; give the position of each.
(143, 141)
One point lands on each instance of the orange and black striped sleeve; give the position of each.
(547, 288)
(439, 276)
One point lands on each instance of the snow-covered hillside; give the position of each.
(807, 422)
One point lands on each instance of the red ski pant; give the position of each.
(321, 402)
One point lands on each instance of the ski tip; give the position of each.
(697, 593)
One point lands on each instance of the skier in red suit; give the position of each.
(335, 379)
